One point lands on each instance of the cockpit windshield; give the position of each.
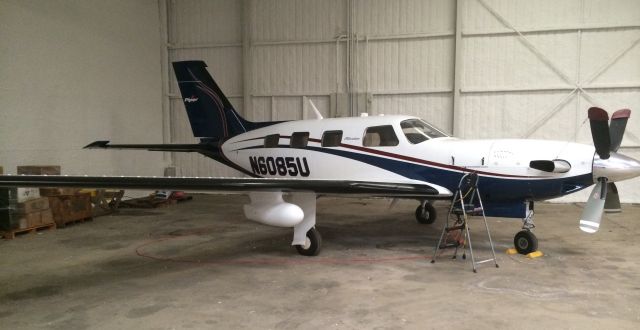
(417, 131)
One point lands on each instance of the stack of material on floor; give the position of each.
(23, 210)
(67, 205)
(71, 208)
(105, 201)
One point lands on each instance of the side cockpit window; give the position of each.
(331, 138)
(418, 131)
(380, 136)
(299, 139)
(271, 141)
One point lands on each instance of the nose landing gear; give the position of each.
(525, 240)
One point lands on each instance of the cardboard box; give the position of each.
(26, 194)
(46, 217)
(32, 219)
(39, 170)
(34, 205)
(68, 208)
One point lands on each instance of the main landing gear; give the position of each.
(312, 244)
(306, 238)
(426, 213)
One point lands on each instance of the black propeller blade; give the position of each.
(617, 127)
(599, 120)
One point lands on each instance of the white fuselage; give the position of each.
(440, 162)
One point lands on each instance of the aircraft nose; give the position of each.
(617, 167)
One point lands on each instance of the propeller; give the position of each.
(592, 213)
(607, 138)
(599, 121)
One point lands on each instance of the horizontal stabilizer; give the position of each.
(199, 147)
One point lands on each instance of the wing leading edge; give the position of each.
(337, 187)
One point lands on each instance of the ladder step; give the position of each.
(450, 245)
(448, 229)
(483, 261)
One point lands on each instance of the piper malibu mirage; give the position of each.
(384, 156)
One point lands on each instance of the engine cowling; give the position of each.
(270, 209)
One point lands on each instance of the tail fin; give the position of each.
(210, 113)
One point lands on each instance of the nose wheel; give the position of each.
(525, 242)
(312, 244)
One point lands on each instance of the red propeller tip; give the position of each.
(621, 114)
(598, 114)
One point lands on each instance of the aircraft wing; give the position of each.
(333, 187)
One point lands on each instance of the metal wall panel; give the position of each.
(294, 69)
(403, 17)
(290, 20)
(503, 61)
(407, 65)
(197, 22)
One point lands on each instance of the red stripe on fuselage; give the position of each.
(416, 160)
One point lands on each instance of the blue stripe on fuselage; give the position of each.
(492, 188)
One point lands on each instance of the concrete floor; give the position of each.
(201, 265)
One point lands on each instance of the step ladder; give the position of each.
(466, 203)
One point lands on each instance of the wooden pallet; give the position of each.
(11, 234)
(74, 221)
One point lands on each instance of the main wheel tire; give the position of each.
(312, 245)
(525, 242)
(426, 215)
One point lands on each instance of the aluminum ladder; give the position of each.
(466, 203)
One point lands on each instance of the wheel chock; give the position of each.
(535, 254)
(511, 251)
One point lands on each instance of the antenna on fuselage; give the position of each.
(315, 110)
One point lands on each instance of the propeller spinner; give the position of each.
(608, 166)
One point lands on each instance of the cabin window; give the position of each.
(331, 138)
(271, 141)
(380, 136)
(299, 139)
(418, 131)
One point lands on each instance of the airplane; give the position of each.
(389, 156)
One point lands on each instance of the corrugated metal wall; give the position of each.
(478, 68)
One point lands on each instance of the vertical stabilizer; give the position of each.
(210, 113)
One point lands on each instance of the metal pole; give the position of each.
(247, 106)
(164, 69)
(457, 116)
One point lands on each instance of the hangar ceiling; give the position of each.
(476, 68)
